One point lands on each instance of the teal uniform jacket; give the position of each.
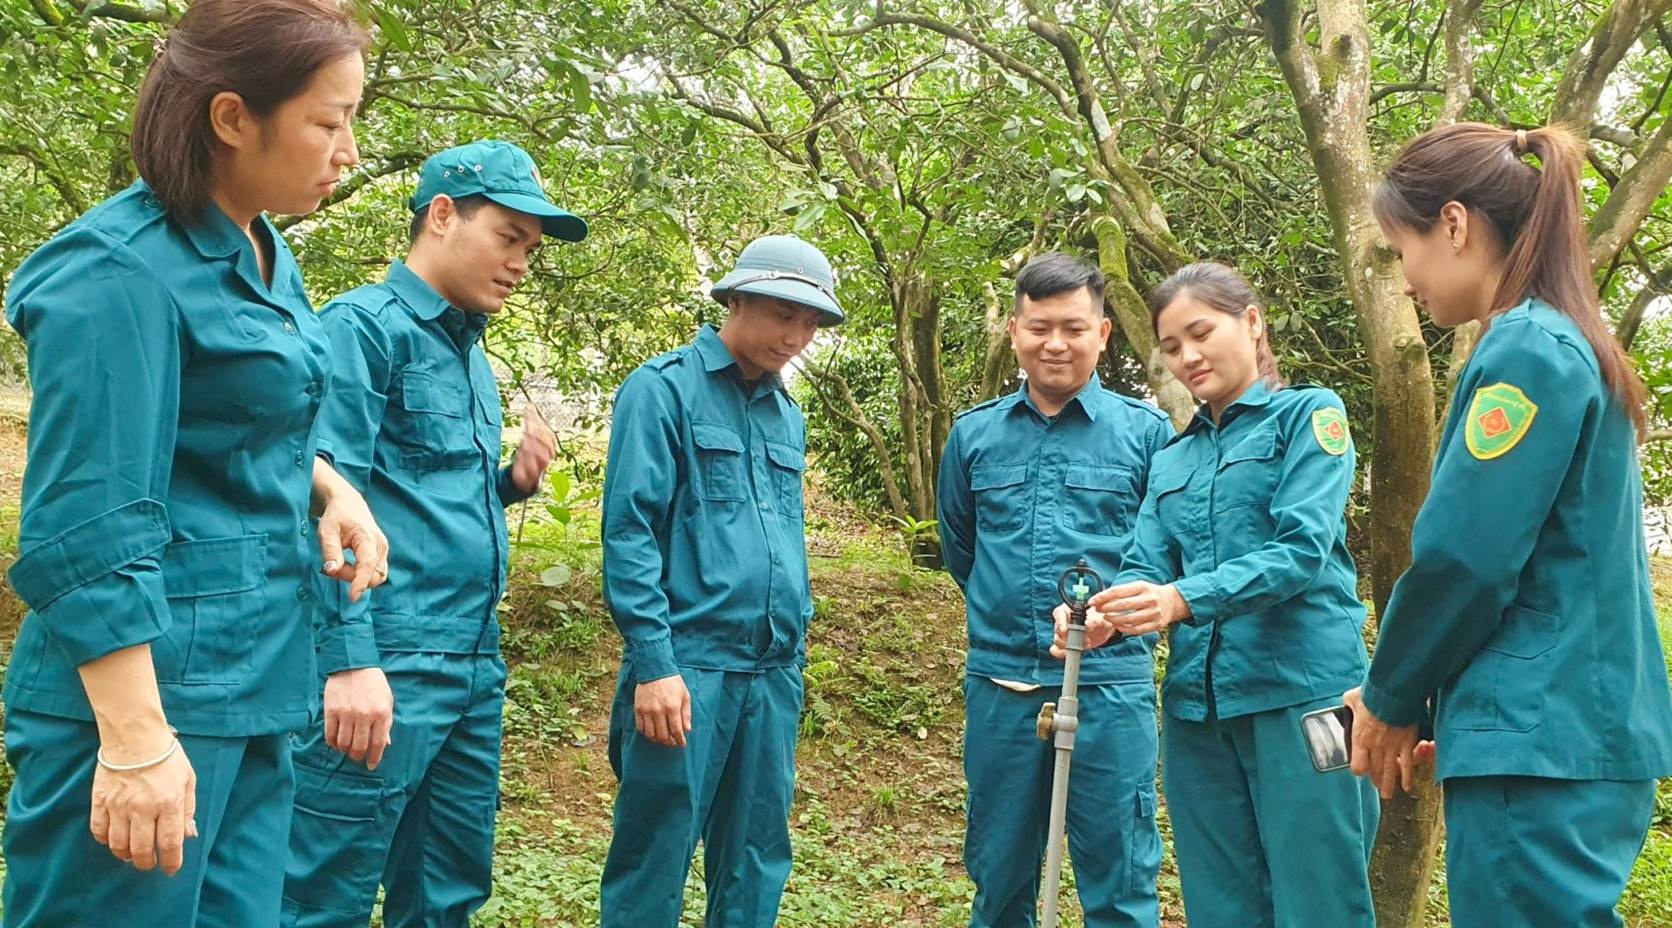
(705, 560)
(171, 454)
(1021, 498)
(1248, 520)
(414, 423)
(1527, 608)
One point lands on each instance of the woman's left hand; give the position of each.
(1140, 608)
(346, 523)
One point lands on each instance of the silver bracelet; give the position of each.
(173, 746)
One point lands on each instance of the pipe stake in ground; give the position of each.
(1059, 721)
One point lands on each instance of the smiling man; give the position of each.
(413, 416)
(705, 573)
(1029, 484)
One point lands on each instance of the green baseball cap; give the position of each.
(503, 173)
(786, 268)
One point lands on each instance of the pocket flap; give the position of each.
(214, 566)
(427, 393)
(1257, 447)
(1524, 633)
(340, 793)
(786, 456)
(1169, 479)
(1098, 477)
(994, 476)
(716, 438)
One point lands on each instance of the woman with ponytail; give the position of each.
(1526, 615)
(1240, 553)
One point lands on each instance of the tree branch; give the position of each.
(1632, 198)
(997, 55)
(48, 12)
(1460, 59)
(385, 166)
(121, 11)
(1590, 65)
(67, 191)
(849, 411)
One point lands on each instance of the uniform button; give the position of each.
(304, 529)
(301, 594)
(299, 457)
(314, 389)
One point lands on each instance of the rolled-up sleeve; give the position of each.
(105, 351)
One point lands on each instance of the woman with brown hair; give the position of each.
(1526, 614)
(1240, 555)
(167, 543)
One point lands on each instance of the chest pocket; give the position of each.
(1001, 499)
(719, 462)
(1172, 502)
(1248, 472)
(788, 464)
(1099, 499)
(434, 427)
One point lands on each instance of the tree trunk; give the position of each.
(998, 362)
(925, 418)
(1132, 315)
(1331, 89)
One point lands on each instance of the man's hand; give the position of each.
(1140, 608)
(662, 710)
(1098, 631)
(359, 714)
(534, 452)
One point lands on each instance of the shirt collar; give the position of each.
(415, 292)
(1085, 398)
(213, 233)
(1254, 397)
(717, 357)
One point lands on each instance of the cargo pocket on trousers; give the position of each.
(1144, 861)
(337, 841)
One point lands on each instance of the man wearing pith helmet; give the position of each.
(705, 573)
(413, 416)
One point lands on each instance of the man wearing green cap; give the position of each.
(705, 573)
(413, 416)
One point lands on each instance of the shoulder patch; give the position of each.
(1499, 417)
(1329, 426)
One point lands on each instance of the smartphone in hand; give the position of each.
(1329, 738)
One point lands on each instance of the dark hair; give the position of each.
(1222, 287)
(465, 207)
(1535, 213)
(265, 51)
(1054, 273)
